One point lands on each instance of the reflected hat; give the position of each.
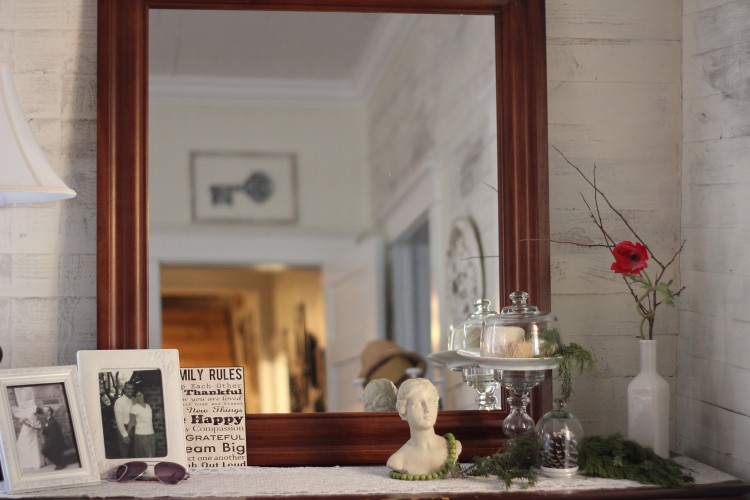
(385, 359)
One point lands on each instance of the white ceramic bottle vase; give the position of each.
(648, 404)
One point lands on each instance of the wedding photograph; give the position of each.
(45, 439)
(44, 432)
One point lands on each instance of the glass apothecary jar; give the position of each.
(560, 433)
(467, 333)
(520, 330)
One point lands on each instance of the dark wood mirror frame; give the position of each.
(122, 211)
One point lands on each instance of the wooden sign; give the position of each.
(213, 403)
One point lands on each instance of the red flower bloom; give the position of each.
(630, 258)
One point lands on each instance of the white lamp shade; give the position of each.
(25, 174)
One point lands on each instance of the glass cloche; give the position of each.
(560, 433)
(520, 330)
(467, 333)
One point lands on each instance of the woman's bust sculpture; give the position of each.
(425, 453)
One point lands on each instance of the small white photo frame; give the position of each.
(44, 433)
(133, 394)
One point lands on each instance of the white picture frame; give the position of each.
(44, 434)
(244, 187)
(156, 373)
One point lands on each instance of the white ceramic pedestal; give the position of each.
(648, 404)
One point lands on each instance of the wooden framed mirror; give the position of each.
(122, 210)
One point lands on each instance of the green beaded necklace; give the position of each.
(451, 439)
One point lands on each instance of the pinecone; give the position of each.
(560, 451)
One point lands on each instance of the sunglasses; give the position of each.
(166, 472)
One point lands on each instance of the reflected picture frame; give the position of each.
(250, 187)
(44, 430)
(155, 373)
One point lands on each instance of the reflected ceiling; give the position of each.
(210, 55)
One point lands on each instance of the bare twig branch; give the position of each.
(577, 244)
(648, 301)
(609, 204)
(490, 186)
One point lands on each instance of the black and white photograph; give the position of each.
(44, 432)
(132, 408)
(133, 400)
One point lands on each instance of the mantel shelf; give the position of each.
(369, 482)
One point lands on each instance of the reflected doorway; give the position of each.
(271, 321)
(409, 260)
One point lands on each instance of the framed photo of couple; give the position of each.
(133, 401)
(44, 433)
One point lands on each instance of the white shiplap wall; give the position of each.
(614, 73)
(48, 251)
(714, 344)
(614, 101)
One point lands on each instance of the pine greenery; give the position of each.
(613, 457)
(616, 457)
(572, 356)
(518, 460)
(569, 357)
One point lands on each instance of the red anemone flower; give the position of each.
(630, 258)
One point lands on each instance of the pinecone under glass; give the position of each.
(560, 451)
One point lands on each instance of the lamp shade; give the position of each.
(25, 174)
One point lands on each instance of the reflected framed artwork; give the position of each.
(244, 187)
(133, 401)
(44, 433)
(465, 267)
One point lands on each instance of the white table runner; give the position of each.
(300, 481)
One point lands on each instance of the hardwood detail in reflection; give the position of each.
(200, 329)
(214, 329)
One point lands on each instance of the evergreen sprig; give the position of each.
(616, 457)
(517, 461)
(549, 341)
(571, 356)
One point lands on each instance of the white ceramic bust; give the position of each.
(425, 452)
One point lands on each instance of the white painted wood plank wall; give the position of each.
(713, 372)
(48, 251)
(614, 101)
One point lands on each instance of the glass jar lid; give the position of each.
(467, 333)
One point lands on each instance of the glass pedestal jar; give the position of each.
(467, 334)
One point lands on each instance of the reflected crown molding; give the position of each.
(354, 92)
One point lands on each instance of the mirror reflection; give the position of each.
(317, 182)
